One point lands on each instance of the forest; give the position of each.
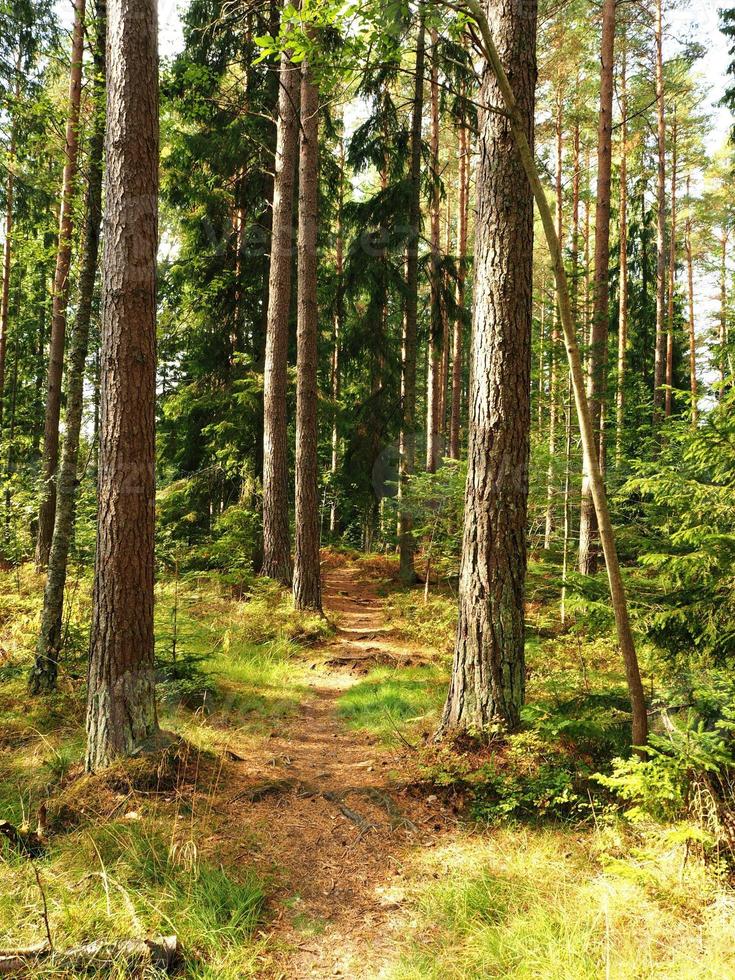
(367, 489)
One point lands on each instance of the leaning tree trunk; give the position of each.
(488, 675)
(553, 372)
(44, 673)
(597, 380)
(121, 707)
(410, 314)
(47, 507)
(307, 591)
(660, 351)
(276, 533)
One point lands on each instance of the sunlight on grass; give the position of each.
(390, 700)
(535, 905)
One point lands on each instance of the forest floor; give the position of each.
(304, 824)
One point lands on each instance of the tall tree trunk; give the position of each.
(44, 674)
(567, 500)
(554, 347)
(410, 313)
(488, 675)
(623, 290)
(519, 126)
(463, 208)
(433, 373)
(672, 272)
(692, 333)
(598, 342)
(121, 707)
(276, 532)
(307, 591)
(47, 507)
(660, 351)
(338, 331)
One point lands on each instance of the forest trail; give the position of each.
(333, 821)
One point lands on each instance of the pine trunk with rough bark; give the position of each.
(276, 532)
(488, 675)
(410, 314)
(597, 381)
(44, 674)
(121, 707)
(307, 591)
(47, 509)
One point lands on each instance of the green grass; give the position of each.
(123, 863)
(540, 905)
(390, 700)
(122, 880)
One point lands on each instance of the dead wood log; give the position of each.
(132, 954)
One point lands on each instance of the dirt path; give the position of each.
(328, 813)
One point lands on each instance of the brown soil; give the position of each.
(331, 819)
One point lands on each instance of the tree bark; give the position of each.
(660, 351)
(488, 675)
(47, 507)
(598, 341)
(121, 709)
(307, 574)
(463, 207)
(617, 588)
(410, 314)
(44, 673)
(672, 273)
(433, 375)
(623, 290)
(276, 532)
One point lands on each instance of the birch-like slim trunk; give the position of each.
(597, 381)
(47, 509)
(44, 674)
